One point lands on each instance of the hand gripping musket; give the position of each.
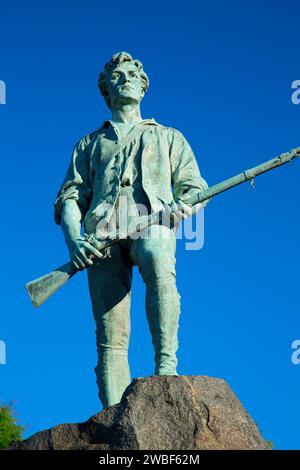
(42, 288)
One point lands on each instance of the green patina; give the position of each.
(147, 163)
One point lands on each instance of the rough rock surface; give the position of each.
(184, 412)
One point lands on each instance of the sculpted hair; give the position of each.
(117, 59)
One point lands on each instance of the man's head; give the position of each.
(123, 80)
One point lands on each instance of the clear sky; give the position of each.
(220, 72)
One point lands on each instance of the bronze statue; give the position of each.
(144, 177)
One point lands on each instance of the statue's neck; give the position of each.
(128, 114)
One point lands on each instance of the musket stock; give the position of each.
(43, 287)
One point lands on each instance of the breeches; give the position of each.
(110, 290)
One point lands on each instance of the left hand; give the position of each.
(178, 211)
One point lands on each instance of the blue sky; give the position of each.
(221, 73)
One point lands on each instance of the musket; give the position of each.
(42, 288)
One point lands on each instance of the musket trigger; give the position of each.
(252, 183)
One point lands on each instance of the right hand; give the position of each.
(81, 253)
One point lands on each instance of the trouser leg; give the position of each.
(155, 257)
(110, 290)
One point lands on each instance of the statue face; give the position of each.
(124, 84)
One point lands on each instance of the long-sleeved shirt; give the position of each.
(101, 166)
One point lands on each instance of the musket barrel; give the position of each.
(245, 176)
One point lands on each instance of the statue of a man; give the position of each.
(148, 165)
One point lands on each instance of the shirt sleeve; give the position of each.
(186, 177)
(76, 184)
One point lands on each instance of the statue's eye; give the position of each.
(115, 76)
(133, 74)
